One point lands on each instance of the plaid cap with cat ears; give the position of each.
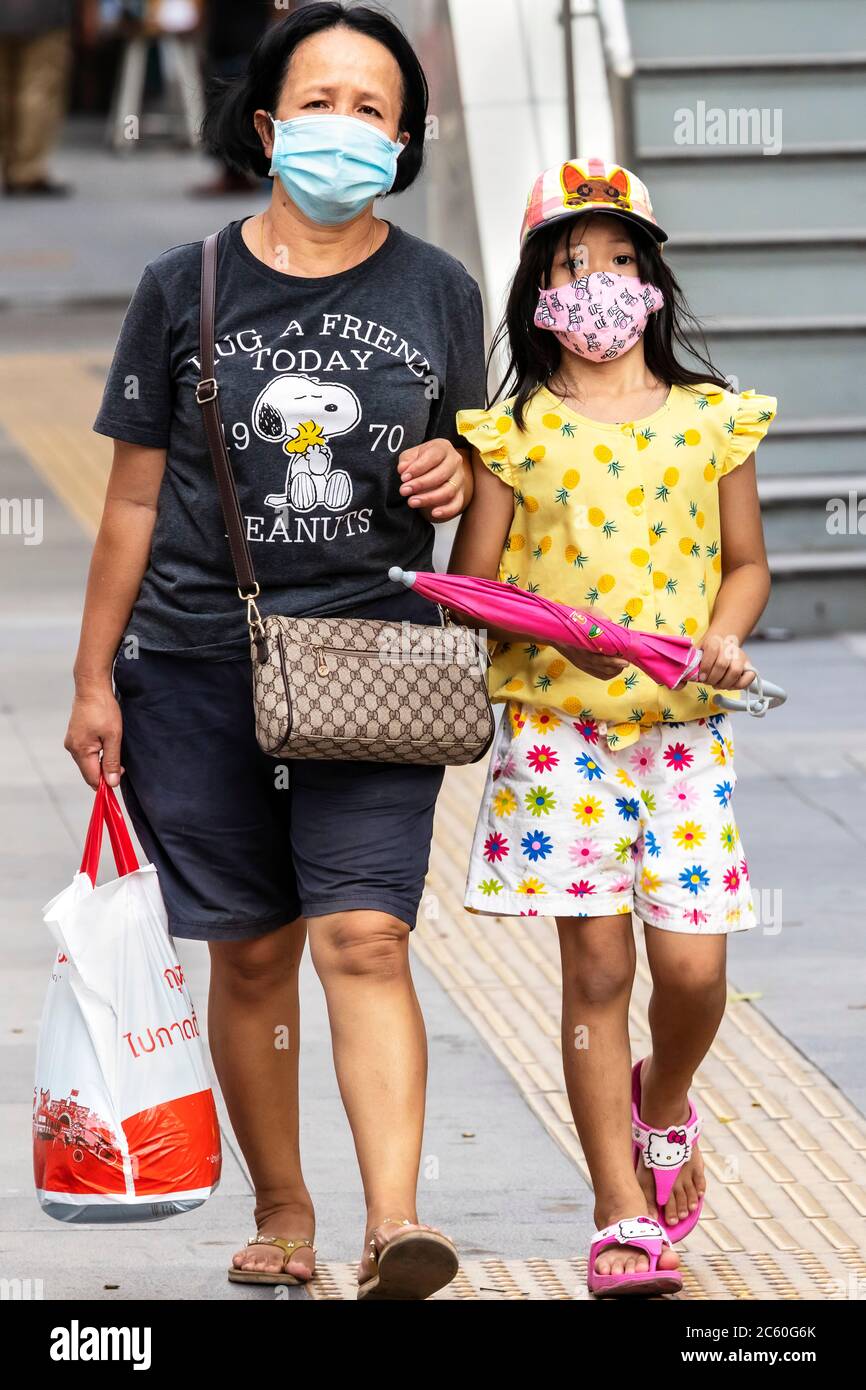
(585, 186)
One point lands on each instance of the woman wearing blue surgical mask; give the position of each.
(344, 349)
(331, 167)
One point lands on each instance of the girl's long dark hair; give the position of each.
(534, 353)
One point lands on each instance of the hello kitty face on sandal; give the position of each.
(667, 1150)
(639, 1228)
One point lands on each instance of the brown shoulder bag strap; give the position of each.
(206, 394)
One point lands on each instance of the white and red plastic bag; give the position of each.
(124, 1122)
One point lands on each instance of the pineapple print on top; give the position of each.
(303, 414)
(619, 517)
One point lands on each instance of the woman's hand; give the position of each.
(724, 664)
(435, 477)
(95, 727)
(604, 668)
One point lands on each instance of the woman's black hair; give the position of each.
(534, 353)
(228, 131)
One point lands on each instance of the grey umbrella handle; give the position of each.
(760, 696)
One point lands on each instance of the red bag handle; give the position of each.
(107, 812)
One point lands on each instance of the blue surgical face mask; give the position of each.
(332, 167)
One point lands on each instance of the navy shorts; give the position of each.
(243, 843)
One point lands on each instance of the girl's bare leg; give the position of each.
(598, 963)
(686, 1008)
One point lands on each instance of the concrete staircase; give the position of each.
(771, 252)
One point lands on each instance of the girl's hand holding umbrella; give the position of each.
(604, 668)
(594, 663)
(724, 664)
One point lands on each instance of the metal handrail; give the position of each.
(570, 93)
(783, 489)
(619, 67)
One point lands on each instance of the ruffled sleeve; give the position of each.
(487, 431)
(752, 417)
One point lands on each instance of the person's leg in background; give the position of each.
(231, 33)
(6, 66)
(35, 105)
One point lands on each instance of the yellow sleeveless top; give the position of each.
(619, 517)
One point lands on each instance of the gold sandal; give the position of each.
(409, 1267)
(269, 1276)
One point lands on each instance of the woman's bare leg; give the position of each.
(380, 1052)
(254, 1032)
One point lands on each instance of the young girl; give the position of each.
(617, 478)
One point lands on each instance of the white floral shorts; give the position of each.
(569, 827)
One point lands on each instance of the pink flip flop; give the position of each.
(645, 1234)
(664, 1152)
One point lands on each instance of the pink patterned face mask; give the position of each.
(599, 316)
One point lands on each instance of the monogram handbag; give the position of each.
(344, 687)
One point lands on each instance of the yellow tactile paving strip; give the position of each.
(482, 1279)
(785, 1150)
(706, 1277)
(48, 402)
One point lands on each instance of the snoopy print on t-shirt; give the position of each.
(303, 414)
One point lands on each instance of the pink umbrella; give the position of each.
(669, 660)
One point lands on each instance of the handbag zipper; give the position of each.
(319, 652)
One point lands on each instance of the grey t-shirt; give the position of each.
(323, 382)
